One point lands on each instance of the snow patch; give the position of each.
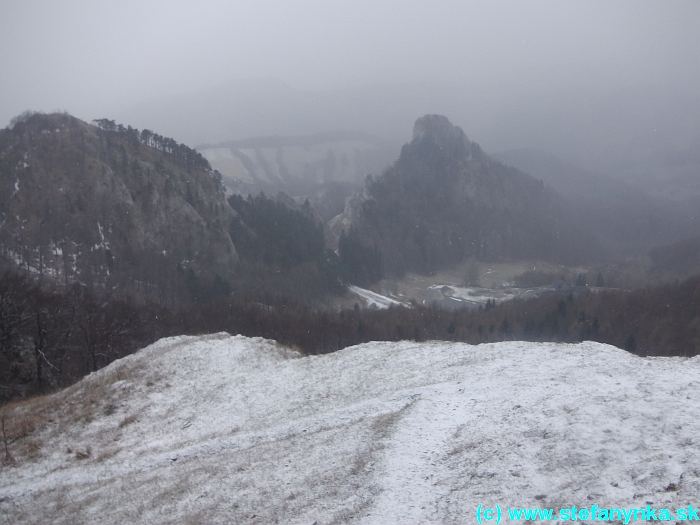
(373, 299)
(15, 190)
(103, 244)
(479, 296)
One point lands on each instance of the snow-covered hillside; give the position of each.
(221, 429)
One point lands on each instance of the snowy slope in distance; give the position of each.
(221, 429)
(373, 299)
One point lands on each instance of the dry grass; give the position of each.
(107, 454)
(32, 424)
(381, 428)
(14, 433)
(84, 453)
(461, 448)
(128, 420)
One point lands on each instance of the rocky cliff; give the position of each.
(111, 207)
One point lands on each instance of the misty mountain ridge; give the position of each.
(629, 219)
(589, 124)
(445, 200)
(137, 213)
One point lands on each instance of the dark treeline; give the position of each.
(50, 339)
(182, 154)
(654, 321)
(282, 249)
(272, 233)
(681, 258)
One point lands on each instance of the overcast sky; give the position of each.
(98, 58)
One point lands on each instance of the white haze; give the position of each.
(605, 83)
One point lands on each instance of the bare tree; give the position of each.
(7, 459)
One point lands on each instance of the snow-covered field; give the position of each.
(477, 295)
(220, 429)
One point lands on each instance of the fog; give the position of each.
(602, 83)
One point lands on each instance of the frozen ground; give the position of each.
(475, 296)
(490, 281)
(220, 429)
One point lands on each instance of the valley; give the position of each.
(369, 262)
(445, 243)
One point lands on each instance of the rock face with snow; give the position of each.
(221, 429)
(445, 200)
(324, 168)
(79, 203)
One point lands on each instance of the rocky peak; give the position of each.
(436, 132)
(438, 129)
